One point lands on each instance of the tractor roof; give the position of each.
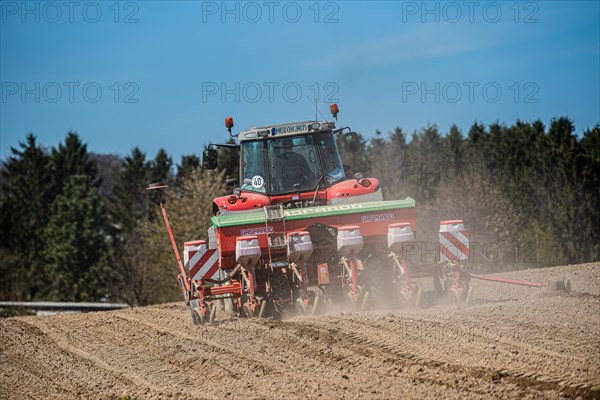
(289, 129)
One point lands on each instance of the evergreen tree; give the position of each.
(72, 158)
(398, 141)
(148, 271)
(108, 167)
(589, 216)
(130, 203)
(476, 141)
(161, 170)
(386, 172)
(358, 161)
(563, 209)
(426, 148)
(131, 206)
(524, 183)
(396, 182)
(74, 244)
(27, 194)
(454, 146)
(189, 164)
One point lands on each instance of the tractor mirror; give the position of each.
(209, 159)
(351, 142)
(231, 183)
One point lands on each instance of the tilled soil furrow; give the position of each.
(180, 355)
(394, 351)
(203, 341)
(384, 354)
(58, 365)
(513, 342)
(88, 347)
(371, 335)
(340, 354)
(480, 339)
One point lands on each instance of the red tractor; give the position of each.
(298, 234)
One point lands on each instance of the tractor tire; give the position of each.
(377, 280)
(280, 293)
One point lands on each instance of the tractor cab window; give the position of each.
(293, 164)
(332, 163)
(253, 167)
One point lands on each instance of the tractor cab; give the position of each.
(296, 164)
(292, 158)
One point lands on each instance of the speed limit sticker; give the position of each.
(257, 181)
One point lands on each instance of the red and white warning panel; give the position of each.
(202, 262)
(454, 240)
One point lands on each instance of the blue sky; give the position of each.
(166, 74)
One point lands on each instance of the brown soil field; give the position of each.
(514, 342)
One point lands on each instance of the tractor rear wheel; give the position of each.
(280, 292)
(377, 280)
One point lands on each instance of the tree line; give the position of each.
(80, 226)
(529, 194)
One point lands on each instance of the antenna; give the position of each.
(317, 110)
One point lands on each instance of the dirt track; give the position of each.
(515, 342)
